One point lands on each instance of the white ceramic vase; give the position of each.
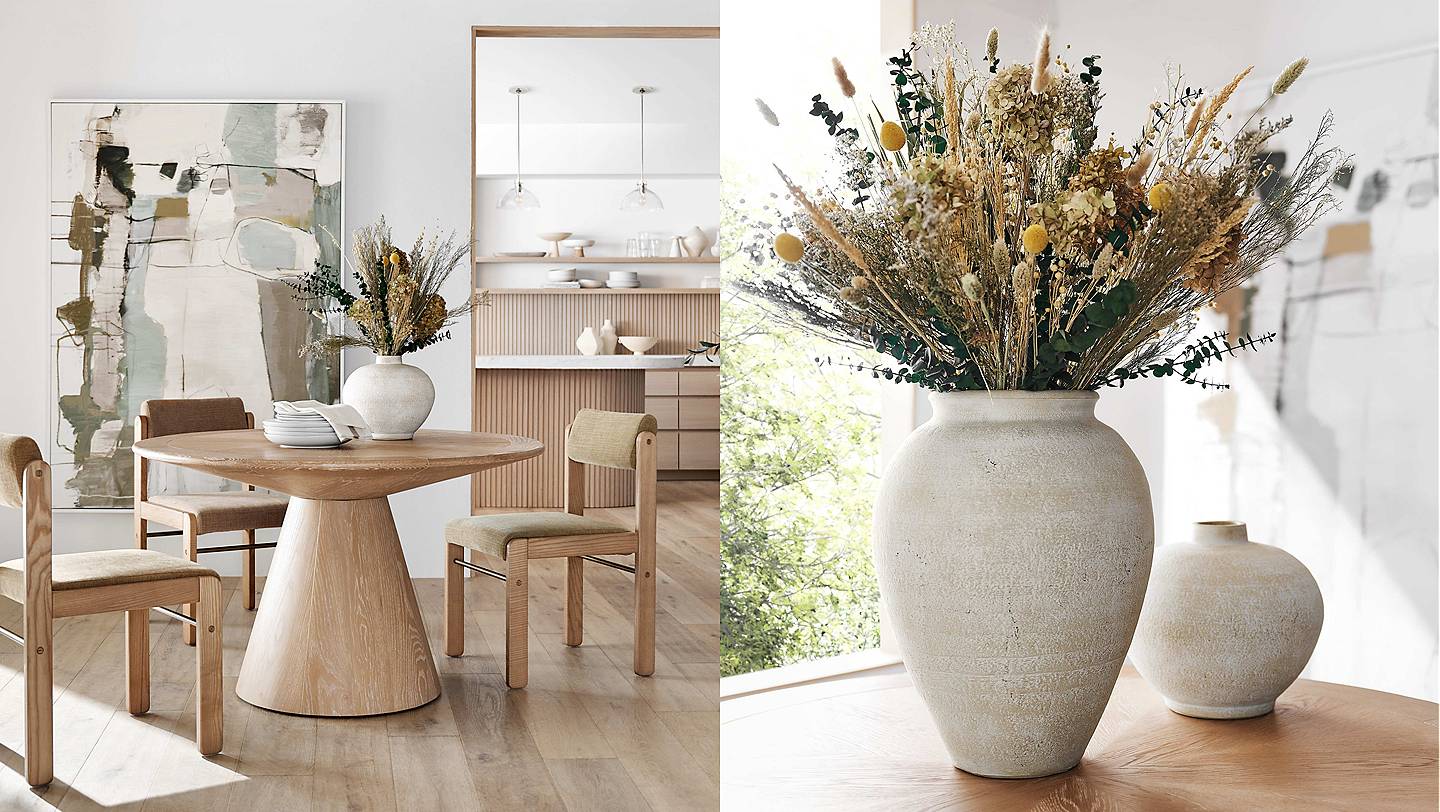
(608, 338)
(1228, 624)
(696, 242)
(1013, 536)
(392, 396)
(588, 343)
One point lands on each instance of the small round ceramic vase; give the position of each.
(696, 241)
(392, 396)
(1228, 624)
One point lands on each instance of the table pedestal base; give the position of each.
(338, 632)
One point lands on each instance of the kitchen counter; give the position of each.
(586, 361)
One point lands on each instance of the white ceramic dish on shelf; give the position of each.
(638, 344)
(554, 238)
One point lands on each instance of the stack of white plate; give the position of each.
(302, 431)
(561, 275)
(623, 279)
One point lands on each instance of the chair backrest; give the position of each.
(25, 484)
(606, 439)
(16, 453)
(185, 415)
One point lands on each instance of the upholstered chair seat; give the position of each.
(492, 534)
(101, 568)
(227, 510)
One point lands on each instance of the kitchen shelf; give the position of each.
(593, 291)
(601, 260)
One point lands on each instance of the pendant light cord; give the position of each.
(518, 93)
(643, 186)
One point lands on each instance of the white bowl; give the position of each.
(637, 344)
(577, 243)
(561, 275)
(591, 283)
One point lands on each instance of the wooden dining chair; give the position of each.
(607, 439)
(130, 581)
(196, 514)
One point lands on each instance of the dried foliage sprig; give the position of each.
(983, 239)
(397, 307)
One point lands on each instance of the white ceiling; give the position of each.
(591, 80)
(581, 115)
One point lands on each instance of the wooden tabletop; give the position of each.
(360, 469)
(867, 743)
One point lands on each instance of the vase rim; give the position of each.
(389, 359)
(1019, 394)
(1221, 531)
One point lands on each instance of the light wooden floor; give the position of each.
(586, 734)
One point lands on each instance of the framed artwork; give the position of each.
(173, 227)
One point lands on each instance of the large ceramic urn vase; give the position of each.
(1013, 540)
(392, 396)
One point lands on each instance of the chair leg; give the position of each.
(247, 575)
(645, 611)
(454, 602)
(574, 600)
(192, 543)
(137, 660)
(209, 722)
(517, 613)
(39, 693)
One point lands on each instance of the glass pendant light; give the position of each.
(517, 196)
(641, 198)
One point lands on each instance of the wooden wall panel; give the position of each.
(547, 323)
(539, 404)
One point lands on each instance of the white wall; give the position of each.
(407, 156)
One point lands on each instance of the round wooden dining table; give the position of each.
(868, 743)
(338, 631)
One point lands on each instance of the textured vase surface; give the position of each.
(1228, 624)
(1013, 536)
(392, 396)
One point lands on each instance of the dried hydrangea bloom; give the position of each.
(1023, 122)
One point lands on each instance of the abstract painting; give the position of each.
(173, 227)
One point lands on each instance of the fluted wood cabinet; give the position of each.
(540, 401)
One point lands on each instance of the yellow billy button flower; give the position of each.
(892, 136)
(789, 247)
(394, 257)
(1160, 196)
(1035, 238)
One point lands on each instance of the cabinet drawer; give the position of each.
(700, 382)
(665, 411)
(698, 413)
(661, 383)
(667, 450)
(699, 450)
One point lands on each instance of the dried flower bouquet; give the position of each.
(398, 308)
(983, 239)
